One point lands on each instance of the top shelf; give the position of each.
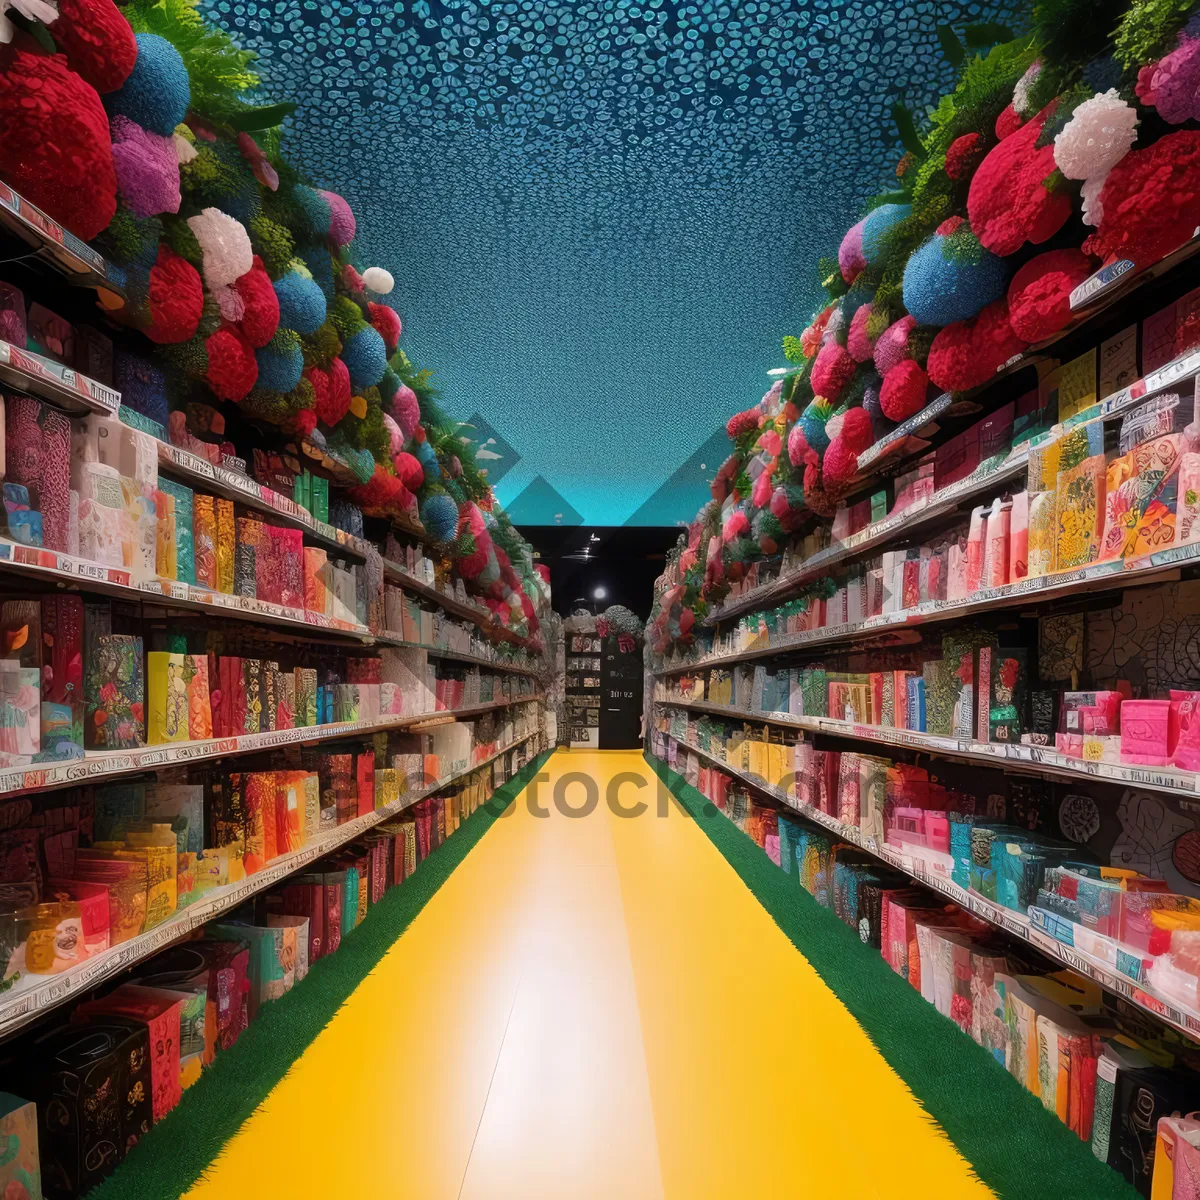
(235, 486)
(57, 246)
(1185, 367)
(63, 387)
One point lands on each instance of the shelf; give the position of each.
(20, 1006)
(387, 638)
(1090, 299)
(1030, 760)
(51, 567)
(100, 766)
(1017, 924)
(199, 473)
(62, 386)
(941, 505)
(58, 246)
(1186, 366)
(479, 613)
(1102, 576)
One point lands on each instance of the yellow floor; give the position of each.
(592, 1007)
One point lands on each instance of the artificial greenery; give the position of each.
(1148, 30)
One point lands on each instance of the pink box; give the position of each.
(1144, 732)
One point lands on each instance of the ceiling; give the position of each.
(602, 217)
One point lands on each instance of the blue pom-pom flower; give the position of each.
(951, 277)
(365, 357)
(157, 93)
(877, 223)
(280, 364)
(439, 515)
(302, 304)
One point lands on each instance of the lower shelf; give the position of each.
(1014, 923)
(24, 1004)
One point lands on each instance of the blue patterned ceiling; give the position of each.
(602, 217)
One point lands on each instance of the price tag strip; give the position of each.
(1095, 576)
(873, 536)
(32, 995)
(102, 765)
(1034, 760)
(1019, 925)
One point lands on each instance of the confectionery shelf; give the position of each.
(1027, 760)
(68, 570)
(61, 386)
(1100, 576)
(233, 485)
(1011, 922)
(100, 766)
(500, 664)
(57, 246)
(23, 1005)
(51, 567)
(943, 503)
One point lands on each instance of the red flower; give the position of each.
(261, 318)
(1008, 122)
(387, 324)
(1008, 203)
(742, 422)
(97, 41)
(1150, 201)
(176, 298)
(968, 353)
(832, 371)
(56, 149)
(963, 156)
(108, 693)
(232, 367)
(903, 392)
(1039, 297)
(136, 710)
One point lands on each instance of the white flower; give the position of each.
(184, 150)
(378, 280)
(35, 10)
(1021, 101)
(225, 244)
(1093, 214)
(1096, 138)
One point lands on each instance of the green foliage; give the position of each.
(273, 244)
(829, 273)
(211, 177)
(952, 48)
(218, 70)
(919, 341)
(182, 240)
(907, 128)
(792, 350)
(1148, 29)
(346, 317)
(128, 238)
(321, 347)
(1070, 33)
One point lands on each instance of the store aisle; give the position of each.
(591, 1007)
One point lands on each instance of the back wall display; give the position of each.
(603, 204)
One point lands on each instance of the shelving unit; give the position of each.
(944, 503)
(1031, 760)
(1016, 924)
(102, 766)
(22, 1005)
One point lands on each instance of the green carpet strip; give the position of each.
(177, 1151)
(1016, 1147)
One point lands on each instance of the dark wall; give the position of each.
(624, 560)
